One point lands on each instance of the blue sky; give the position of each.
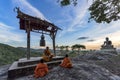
(73, 21)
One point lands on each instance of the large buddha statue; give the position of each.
(107, 44)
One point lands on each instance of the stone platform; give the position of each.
(25, 67)
(34, 60)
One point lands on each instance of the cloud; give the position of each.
(80, 11)
(5, 27)
(77, 21)
(75, 17)
(91, 40)
(28, 8)
(81, 38)
(99, 30)
(7, 34)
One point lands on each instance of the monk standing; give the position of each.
(66, 62)
(41, 69)
(47, 54)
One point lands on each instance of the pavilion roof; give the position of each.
(35, 23)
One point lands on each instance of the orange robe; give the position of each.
(66, 63)
(41, 70)
(47, 55)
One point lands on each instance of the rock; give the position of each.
(95, 55)
(81, 71)
(3, 72)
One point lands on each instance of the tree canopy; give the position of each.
(102, 11)
(78, 46)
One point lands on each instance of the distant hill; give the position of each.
(32, 50)
(9, 54)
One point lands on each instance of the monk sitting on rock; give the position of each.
(41, 69)
(66, 62)
(47, 55)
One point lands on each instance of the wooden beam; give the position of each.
(38, 31)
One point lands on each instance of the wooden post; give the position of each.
(54, 45)
(28, 41)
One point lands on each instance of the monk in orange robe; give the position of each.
(47, 55)
(66, 62)
(41, 69)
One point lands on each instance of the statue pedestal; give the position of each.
(110, 49)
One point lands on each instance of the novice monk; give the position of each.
(41, 69)
(66, 62)
(47, 54)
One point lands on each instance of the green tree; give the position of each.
(73, 47)
(101, 10)
(105, 10)
(68, 2)
(78, 47)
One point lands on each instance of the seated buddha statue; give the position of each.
(107, 43)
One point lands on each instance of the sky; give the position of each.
(73, 20)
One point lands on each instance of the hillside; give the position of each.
(9, 54)
(32, 50)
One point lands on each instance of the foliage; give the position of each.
(9, 54)
(78, 46)
(61, 48)
(101, 10)
(105, 10)
(68, 2)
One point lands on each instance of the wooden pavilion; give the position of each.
(34, 24)
(24, 66)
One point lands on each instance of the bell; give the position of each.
(42, 41)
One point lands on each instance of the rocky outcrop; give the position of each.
(96, 55)
(3, 72)
(81, 71)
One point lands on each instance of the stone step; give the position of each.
(19, 71)
(35, 60)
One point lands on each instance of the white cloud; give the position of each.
(28, 8)
(80, 12)
(5, 27)
(7, 34)
(77, 19)
(103, 29)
